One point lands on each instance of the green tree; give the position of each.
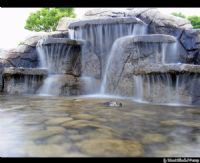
(179, 14)
(46, 19)
(195, 21)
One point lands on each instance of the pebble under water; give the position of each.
(86, 127)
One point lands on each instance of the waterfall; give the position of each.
(164, 88)
(138, 88)
(170, 53)
(53, 56)
(102, 38)
(59, 56)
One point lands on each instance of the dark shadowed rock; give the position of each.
(190, 39)
(148, 15)
(157, 22)
(25, 54)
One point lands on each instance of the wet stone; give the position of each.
(113, 104)
(84, 116)
(50, 150)
(153, 138)
(49, 131)
(111, 147)
(55, 121)
(56, 139)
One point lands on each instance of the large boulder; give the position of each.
(159, 23)
(190, 39)
(148, 15)
(138, 50)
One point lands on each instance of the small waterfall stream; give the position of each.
(104, 44)
(58, 57)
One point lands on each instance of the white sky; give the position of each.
(13, 21)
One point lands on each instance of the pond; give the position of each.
(85, 127)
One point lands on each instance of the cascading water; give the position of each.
(170, 53)
(108, 43)
(59, 56)
(102, 39)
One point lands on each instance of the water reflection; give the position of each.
(61, 126)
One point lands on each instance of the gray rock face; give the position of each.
(159, 23)
(25, 55)
(22, 56)
(166, 68)
(64, 23)
(191, 39)
(153, 38)
(148, 15)
(98, 21)
(103, 12)
(63, 85)
(22, 80)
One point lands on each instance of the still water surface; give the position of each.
(85, 127)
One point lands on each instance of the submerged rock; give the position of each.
(111, 147)
(113, 104)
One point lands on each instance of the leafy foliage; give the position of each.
(46, 19)
(195, 20)
(179, 14)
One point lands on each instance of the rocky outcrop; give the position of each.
(24, 71)
(148, 15)
(103, 21)
(22, 80)
(25, 54)
(190, 40)
(64, 23)
(166, 68)
(159, 23)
